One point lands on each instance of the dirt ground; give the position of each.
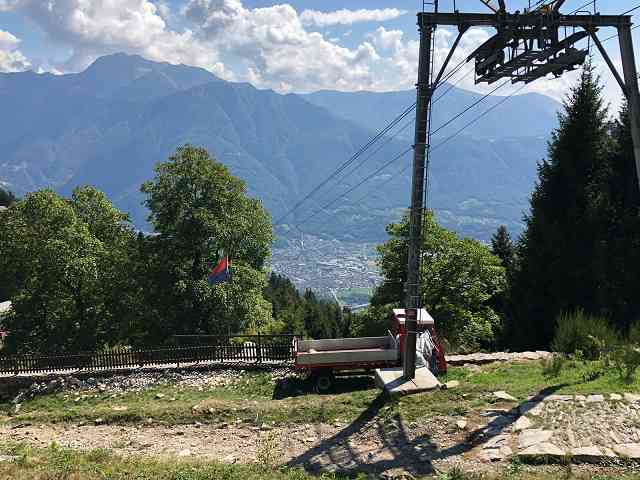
(371, 444)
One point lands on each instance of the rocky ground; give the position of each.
(552, 429)
(594, 431)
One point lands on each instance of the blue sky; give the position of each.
(298, 45)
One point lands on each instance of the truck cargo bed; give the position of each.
(346, 351)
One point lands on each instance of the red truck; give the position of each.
(324, 359)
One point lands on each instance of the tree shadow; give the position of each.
(298, 386)
(392, 445)
(343, 452)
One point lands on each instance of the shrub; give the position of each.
(579, 331)
(634, 333)
(626, 359)
(553, 366)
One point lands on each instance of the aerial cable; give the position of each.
(474, 104)
(631, 10)
(451, 137)
(467, 125)
(366, 179)
(354, 157)
(484, 97)
(412, 120)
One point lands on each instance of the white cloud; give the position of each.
(277, 50)
(348, 17)
(11, 59)
(94, 28)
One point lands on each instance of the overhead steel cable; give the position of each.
(385, 165)
(403, 128)
(364, 180)
(362, 149)
(480, 100)
(631, 10)
(448, 139)
(346, 164)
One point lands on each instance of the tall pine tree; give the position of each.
(557, 248)
(616, 204)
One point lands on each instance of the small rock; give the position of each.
(501, 395)
(558, 398)
(595, 398)
(99, 421)
(523, 423)
(615, 397)
(8, 458)
(159, 396)
(632, 397)
(17, 407)
(184, 453)
(451, 384)
(309, 440)
(264, 427)
(580, 398)
(461, 424)
(119, 408)
(528, 438)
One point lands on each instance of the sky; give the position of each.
(289, 46)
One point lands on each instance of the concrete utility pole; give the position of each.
(526, 47)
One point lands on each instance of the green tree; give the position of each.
(62, 269)
(615, 198)
(198, 210)
(556, 251)
(459, 280)
(502, 247)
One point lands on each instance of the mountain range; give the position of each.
(110, 124)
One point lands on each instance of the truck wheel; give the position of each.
(324, 382)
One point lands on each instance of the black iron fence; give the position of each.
(232, 350)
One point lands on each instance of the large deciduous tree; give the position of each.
(200, 211)
(460, 279)
(64, 261)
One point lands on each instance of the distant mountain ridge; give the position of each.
(109, 125)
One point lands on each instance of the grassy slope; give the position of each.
(251, 400)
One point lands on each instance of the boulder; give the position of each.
(451, 384)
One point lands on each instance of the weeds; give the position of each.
(553, 366)
(269, 453)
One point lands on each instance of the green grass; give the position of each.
(66, 464)
(59, 463)
(251, 400)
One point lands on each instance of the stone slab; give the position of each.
(629, 451)
(528, 438)
(591, 454)
(391, 380)
(542, 452)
